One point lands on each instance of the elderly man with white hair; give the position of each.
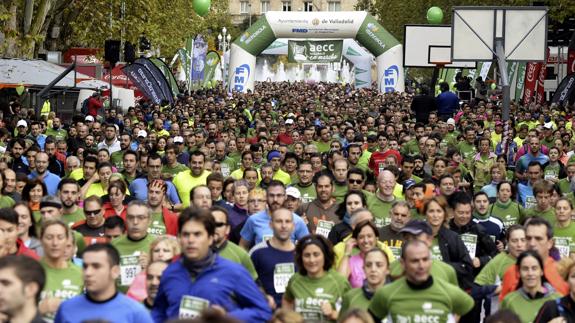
(382, 200)
(72, 163)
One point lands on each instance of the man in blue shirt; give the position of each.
(139, 187)
(102, 301)
(202, 279)
(51, 180)
(257, 227)
(534, 155)
(447, 102)
(525, 195)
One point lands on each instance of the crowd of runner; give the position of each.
(299, 202)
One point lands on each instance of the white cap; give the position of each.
(22, 123)
(289, 121)
(178, 139)
(293, 192)
(89, 118)
(548, 125)
(142, 133)
(451, 121)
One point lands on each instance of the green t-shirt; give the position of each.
(62, 283)
(564, 185)
(74, 217)
(564, 239)
(510, 213)
(339, 192)
(6, 201)
(439, 270)
(548, 214)
(157, 226)
(233, 252)
(435, 251)
(228, 166)
(493, 272)
(380, 209)
(130, 252)
(322, 147)
(59, 134)
(526, 308)
(436, 303)
(309, 293)
(467, 151)
(308, 193)
(174, 170)
(354, 298)
(551, 171)
(117, 159)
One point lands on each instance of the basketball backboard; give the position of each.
(429, 46)
(522, 30)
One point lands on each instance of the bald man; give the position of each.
(381, 202)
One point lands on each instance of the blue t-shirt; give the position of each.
(257, 228)
(265, 258)
(51, 181)
(119, 309)
(139, 190)
(525, 196)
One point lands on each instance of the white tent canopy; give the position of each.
(35, 72)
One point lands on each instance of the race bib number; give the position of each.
(225, 170)
(381, 222)
(530, 202)
(550, 175)
(282, 274)
(266, 237)
(324, 227)
(129, 268)
(470, 242)
(563, 244)
(191, 306)
(436, 253)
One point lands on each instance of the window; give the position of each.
(308, 6)
(286, 6)
(265, 6)
(334, 6)
(245, 7)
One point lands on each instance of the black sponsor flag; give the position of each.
(565, 92)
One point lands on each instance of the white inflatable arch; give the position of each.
(358, 25)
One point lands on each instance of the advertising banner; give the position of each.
(212, 60)
(199, 58)
(158, 77)
(144, 80)
(565, 90)
(531, 76)
(375, 38)
(320, 51)
(540, 93)
(520, 81)
(167, 74)
(257, 38)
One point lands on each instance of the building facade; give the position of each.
(240, 10)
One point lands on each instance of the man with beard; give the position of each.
(130, 166)
(57, 131)
(51, 180)
(226, 248)
(320, 213)
(163, 220)
(117, 156)
(9, 181)
(257, 226)
(153, 276)
(92, 228)
(68, 192)
(19, 162)
(418, 166)
(267, 173)
(390, 234)
(110, 141)
(274, 259)
(305, 184)
(185, 181)
(56, 160)
(36, 134)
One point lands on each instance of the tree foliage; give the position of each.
(89, 23)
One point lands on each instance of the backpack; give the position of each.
(84, 108)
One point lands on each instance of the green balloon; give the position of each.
(434, 15)
(493, 86)
(20, 89)
(201, 7)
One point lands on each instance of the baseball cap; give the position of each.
(289, 121)
(451, 121)
(408, 184)
(177, 139)
(548, 125)
(293, 192)
(89, 118)
(417, 227)
(22, 123)
(142, 133)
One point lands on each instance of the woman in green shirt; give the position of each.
(504, 207)
(63, 279)
(316, 290)
(564, 228)
(532, 291)
(376, 268)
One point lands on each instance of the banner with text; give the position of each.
(320, 51)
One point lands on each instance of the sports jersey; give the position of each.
(157, 226)
(510, 213)
(339, 191)
(73, 217)
(222, 283)
(564, 238)
(354, 298)
(91, 235)
(62, 283)
(309, 293)
(119, 308)
(439, 270)
(548, 214)
(130, 252)
(185, 182)
(392, 239)
(257, 228)
(435, 301)
(281, 176)
(308, 193)
(233, 252)
(380, 209)
(493, 272)
(6, 201)
(178, 168)
(320, 220)
(524, 305)
(274, 267)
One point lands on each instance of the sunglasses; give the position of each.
(92, 213)
(220, 224)
(355, 181)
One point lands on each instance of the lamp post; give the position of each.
(224, 40)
